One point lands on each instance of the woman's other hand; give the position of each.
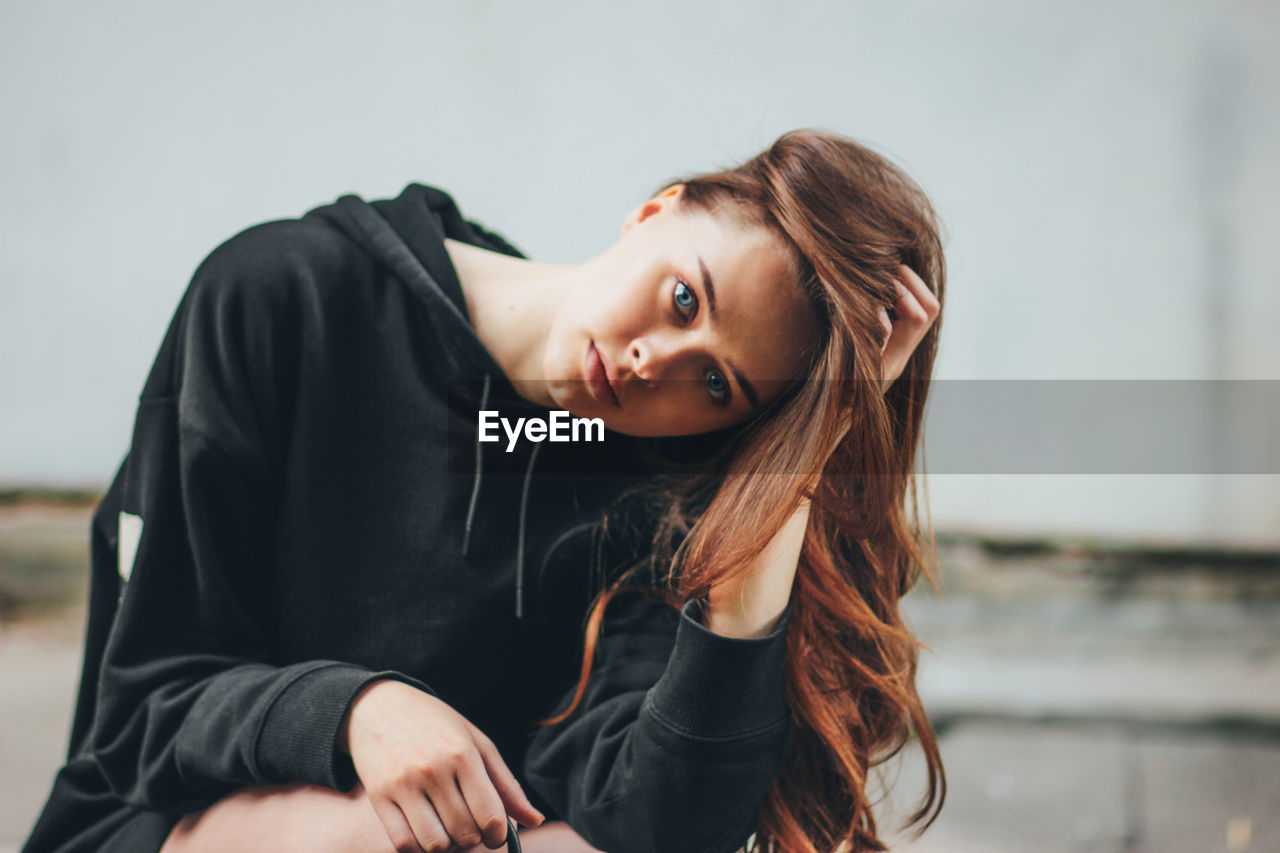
(916, 309)
(433, 778)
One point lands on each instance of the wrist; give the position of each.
(738, 628)
(344, 734)
(724, 618)
(348, 719)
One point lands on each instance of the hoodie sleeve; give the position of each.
(680, 733)
(189, 703)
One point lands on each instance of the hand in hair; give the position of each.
(915, 310)
(750, 604)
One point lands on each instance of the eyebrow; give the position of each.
(709, 288)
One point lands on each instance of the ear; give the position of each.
(668, 199)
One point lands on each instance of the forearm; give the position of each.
(751, 604)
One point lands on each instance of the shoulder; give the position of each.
(255, 296)
(281, 272)
(275, 251)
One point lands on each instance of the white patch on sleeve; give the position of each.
(130, 532)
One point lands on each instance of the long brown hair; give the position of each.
(848, 217)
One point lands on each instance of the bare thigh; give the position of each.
(315, 819)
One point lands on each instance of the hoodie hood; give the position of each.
(406, 234)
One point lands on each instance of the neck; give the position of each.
(511, 302)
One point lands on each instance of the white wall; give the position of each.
(1106, 170)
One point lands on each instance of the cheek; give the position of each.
(587, 311)
(618, 315)
(636, 293)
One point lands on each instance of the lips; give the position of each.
(598, 378)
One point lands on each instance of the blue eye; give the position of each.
(684, 298)
(687, 304)
(717, 385)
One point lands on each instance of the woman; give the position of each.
(326, 615)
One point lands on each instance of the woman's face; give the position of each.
(697, 319)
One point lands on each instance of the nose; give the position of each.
(642, 361)
(653, 357)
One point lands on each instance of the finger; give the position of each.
(912, 316)
(906, 315)
(887, 325)
(486, 807)
(421, 813)
(924, 297)
(504, 781)
(908, 329)
(401, 834)
(452, 809)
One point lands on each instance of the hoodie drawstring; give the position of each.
(524, 505)
(524, 502)
(475, 487)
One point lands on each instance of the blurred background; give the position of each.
(1104, 663)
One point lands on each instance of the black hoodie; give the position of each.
(305, 508)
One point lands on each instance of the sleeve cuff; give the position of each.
(299, 737)
(719, 687)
